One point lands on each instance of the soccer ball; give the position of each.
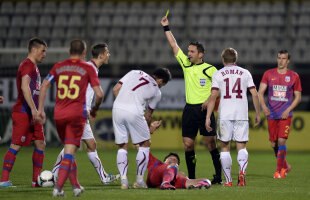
(46, 179)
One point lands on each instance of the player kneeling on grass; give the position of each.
(166, 175)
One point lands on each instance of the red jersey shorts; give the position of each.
(279, 128)
(70, 130)
(25, 130)
(155, 178)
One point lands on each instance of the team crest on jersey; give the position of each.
(202, 81)
(23, 139)
(287, 79)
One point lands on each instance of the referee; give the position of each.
(198, 79)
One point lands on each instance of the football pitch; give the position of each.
(260, 182)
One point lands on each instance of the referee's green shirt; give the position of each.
(198, 79)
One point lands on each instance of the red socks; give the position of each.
(169, 174)
(37, 160)
(281, 158)
(8, 163)
(64, 170)
(73, 175)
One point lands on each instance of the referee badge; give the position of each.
(202, 82)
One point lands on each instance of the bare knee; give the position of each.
(146, 143)
(189, 143)
(210, 142)
(40, 145)
(15, 147)
(91, 145)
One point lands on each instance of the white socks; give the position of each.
(242, 160)
(122, 162)
(226, 165)
(57, 164)
(142, 160)
(95, 160)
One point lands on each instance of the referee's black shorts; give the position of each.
(193, 119)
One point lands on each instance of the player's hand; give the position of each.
(285, 114)
(93, 113)
(164, 21)
(204, 106)
(1, 99)
(208, 125)
(41, 117)
(266, 110)
(35, 116)
(155, 125)
(257, 120)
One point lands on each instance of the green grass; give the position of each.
(260, 184)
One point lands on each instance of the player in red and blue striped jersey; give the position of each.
(25, 129)
(284, 94)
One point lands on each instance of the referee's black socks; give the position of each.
(216, 162)
(190, 158)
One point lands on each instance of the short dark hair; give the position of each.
(284, 51)
(35, 43)
(199, 46)
(229, 55)
(162, 73)
(77, 47)
(172, 154)
(98, 49)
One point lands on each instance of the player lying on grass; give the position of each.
(166, 175)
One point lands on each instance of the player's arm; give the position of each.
(1, 99)
(261, 92)
(99, 97)
(43, 90)
(210, 107)
(148, 116)
(27, 95)
(117, 87)
(256, 105)
(155, 125)
(173, 43)
(296, 101)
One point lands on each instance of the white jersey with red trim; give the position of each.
(232, 82)
(90, 92)
(138, 90)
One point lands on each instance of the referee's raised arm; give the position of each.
(173, 43)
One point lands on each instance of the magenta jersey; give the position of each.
(27, 68)
(281, 89)
(72, 77)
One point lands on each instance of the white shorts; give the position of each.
(236, 130)
(88, 133)
(127, 123)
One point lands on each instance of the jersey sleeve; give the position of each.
(210, 71)
(154, 101)
(265, 78)
(297, 83)
(182, 59)
(126, 77)
(27, 70)
(51, 75)
(215, 82)
(250, 82)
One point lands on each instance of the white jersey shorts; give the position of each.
(127, 123)
(236, 130)
(88, 133)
